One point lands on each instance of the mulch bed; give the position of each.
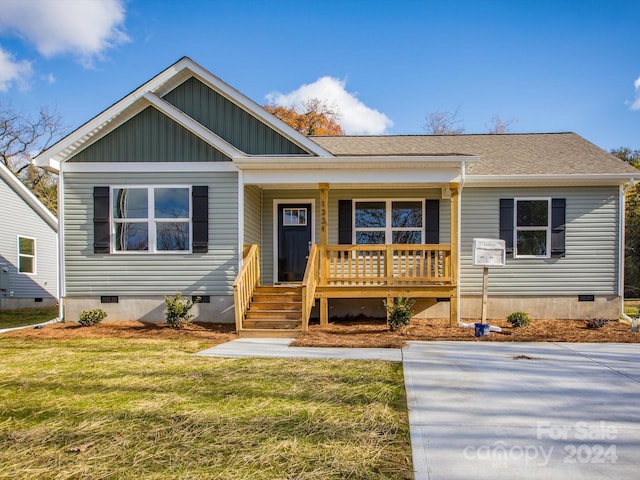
(360, 332)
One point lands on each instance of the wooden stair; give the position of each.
(274, 312)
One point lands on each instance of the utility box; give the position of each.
(4, 276)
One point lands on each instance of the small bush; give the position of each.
(519, 319)
(89, 318)
(595, 323)
(177, 311)
(399, 312)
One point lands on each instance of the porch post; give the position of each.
(324, 241)
(455, 241)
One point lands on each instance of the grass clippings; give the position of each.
(142, 406)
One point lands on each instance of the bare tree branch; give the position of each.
(443, 123)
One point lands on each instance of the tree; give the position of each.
(498, 125)
(318, 118)
(632, 227)
(443, 123)
(21, 139)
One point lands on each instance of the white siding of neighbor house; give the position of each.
(334, 196)
(590, 264)
(90, 274)
(19, 219)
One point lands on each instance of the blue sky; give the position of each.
(553, 65)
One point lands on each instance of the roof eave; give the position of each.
(593, 179)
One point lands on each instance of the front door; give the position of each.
(294, 240)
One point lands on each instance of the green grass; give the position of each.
(26, 316)
(149, 409)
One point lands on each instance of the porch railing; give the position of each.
(245, 284)
(405, 264)
(309, 284)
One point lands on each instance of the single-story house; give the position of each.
(28, 247)
(188, 185)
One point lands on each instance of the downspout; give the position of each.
(60, 259)
(621, 248)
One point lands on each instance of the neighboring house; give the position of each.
(28, 247)
(169, 189)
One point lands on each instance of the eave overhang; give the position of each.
(552, 180)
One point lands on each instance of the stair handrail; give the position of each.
(308, 287)
(246, 281)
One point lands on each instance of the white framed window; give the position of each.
(532, 232)
(27, 255)
(388, 221)
(151, 219)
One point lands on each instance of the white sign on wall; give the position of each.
(489, 252)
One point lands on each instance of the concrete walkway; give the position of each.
(486, 410)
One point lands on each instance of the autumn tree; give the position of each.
(632, 227)
(317, 117)
(21, 139)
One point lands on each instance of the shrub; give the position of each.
(177, 311)
(518, 319)
(594, 323)
(89, 318)
(399, 312)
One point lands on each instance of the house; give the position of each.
(188, 185)
(28, 247)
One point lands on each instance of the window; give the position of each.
(388, 221)
(151, 219)
(294, 217)
(26, 255)
(532, 227)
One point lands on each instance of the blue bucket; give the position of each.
(482, 329)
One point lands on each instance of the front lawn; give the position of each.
(26, 316)
(147, 408)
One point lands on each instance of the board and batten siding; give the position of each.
(590, 264)
(335, 195)
(130, 274)
(229, 121)
(19, 219)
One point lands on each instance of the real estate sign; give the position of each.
(489, 252)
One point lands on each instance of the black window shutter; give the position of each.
(506, 224)
(200, 219)
(345, 220)
(432, 226)
(558, 220)
(101, 235)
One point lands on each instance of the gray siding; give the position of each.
(590, 265)
(227, 120)
(252, 215)
(334, 196)
(89, 274)
(150, 136)
(19, 219)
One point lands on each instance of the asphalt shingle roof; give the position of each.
(504, 154)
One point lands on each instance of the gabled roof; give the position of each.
(558, 154)
(150, 93)
(29, 198)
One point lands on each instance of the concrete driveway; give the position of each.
(481, 410)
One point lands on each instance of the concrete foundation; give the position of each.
(149, 309)
(14, 303)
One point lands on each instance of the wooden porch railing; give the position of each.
(383, 265)
(309, 284)
(245, 284)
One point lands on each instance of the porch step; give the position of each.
(274, 312)
(268, 333)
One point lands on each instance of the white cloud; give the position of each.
(636, 104)
(83, 28)
(355, 117)
(13, 71)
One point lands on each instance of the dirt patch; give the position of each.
(348, 333)
(375, 333)
(211, 333)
